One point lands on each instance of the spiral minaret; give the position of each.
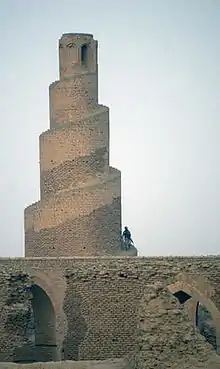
(79, 212)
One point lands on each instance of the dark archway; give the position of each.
(205, 324)
(44, 338)
(182, 296)
(203, 318)
(84, 55)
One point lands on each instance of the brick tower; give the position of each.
(79, 212)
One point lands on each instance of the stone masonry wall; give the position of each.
(79, 213)
(102, 296)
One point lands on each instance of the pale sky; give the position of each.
(159, 73)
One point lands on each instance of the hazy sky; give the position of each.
(160, 75)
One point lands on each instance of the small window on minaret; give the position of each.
(84, 55)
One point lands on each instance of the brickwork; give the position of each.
(84, 221)
(59, 145)
(79, 212)
(73, 172)
(99, 299)
(72, 98)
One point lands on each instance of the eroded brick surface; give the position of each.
(73, 172)
(74, 139)
(102, 300)
(71, 236)
(183, 347)
(72, 98)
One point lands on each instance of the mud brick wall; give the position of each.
(16, 318)
(100, 297)
(183, 347)
(104, 321)
(79, 213)
(108, 295)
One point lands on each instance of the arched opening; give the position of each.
(44, 338)
(205, 324)
(182, 296)
(84, 55)
(200, 315)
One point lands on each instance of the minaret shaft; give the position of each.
(79, 213)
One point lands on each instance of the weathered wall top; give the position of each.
(77, 34)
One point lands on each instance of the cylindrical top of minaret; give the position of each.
(76, 93)
(77, 54)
